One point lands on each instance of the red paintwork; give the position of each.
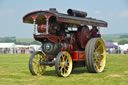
(73, 42)
(34, 17)
(52, 38)
(82, 56)
(66, 47)
(83, 36)
(41, 28)
(78, 55)
(71, 45)
(36, 13)
(74, 55)
(58, 33)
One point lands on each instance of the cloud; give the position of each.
(97, 12)
(126, 2)
(1, 1)
(124, 14)
(6, 12)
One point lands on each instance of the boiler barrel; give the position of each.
(76, 13)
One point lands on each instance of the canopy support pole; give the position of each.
(47, 26)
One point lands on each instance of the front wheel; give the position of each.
(34, 63)
(95, 55)
(63, 64)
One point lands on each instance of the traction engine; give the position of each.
(67, 41)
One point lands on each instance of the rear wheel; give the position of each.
(95, 55)
(34, 63)
(63, 64)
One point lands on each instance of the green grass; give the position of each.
(14, 71)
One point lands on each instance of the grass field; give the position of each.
(14, 71)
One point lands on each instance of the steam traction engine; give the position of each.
(67, 42)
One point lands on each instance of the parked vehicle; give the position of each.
(67, 42)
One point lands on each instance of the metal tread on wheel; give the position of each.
(95, 55)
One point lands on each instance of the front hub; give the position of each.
(48, 48)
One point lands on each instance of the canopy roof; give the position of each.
(7, 45)
(60, 17)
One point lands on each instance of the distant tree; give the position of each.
(35, 43)
(22, 43)
(109, 40)
(8, 39)
(19, 42)
(122, 42)
(124, 36)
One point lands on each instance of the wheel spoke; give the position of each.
(37, 56)
(66, 59)
(94, 54)
(97, 67)
(61, 69)
(98, 48)
(38, 70)
(63, 57)
(61, 65)
(35, 69)
(34, 63)
(35, 60)
(103, 54)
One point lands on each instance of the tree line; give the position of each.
(14, 40)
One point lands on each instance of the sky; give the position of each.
(115, 12)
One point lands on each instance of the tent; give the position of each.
(124, 47)
(111, 48)
(110, 45)
(7, 47)
(36, 47)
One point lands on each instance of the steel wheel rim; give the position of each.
(65, 64)
(99, 55)
(37, 67)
